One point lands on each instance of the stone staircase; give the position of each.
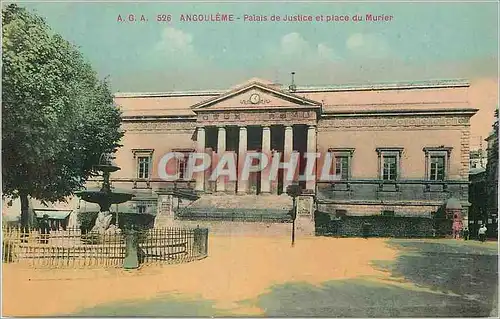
(249, 215)
(230, 208)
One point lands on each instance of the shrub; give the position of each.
(384, 226)
(87, 220)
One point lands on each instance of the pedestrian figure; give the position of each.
(457, 228)
(482, 233)
(466, 233)
(44, 229)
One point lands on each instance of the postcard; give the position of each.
(250, 159)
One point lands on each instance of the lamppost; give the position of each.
(293, 190)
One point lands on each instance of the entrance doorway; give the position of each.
(300, 145)
(254, 144)
(278, 145)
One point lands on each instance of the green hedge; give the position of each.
(381, 226)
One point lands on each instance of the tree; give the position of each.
(57, 116)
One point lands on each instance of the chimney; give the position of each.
(292, 87)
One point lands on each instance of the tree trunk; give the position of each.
(26, 220)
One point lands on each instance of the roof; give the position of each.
(306, 89)
(433, 96)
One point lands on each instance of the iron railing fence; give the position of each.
(159, 245)
(234, 215)
(73, 249)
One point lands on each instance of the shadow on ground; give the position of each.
(430, 279)
(445, 279)
(469, 271)
(161, 306)
(359, 298)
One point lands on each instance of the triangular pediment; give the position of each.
(256, 95)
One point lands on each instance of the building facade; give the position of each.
(400, 149)
(492, 181)
(478, 159)
(483, 190)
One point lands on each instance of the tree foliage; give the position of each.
(57, 116)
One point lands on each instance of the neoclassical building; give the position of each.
(399, 149)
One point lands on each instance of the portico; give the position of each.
(256, 118)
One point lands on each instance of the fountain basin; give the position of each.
(104, 197)
(106, 168)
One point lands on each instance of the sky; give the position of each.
(421, 41)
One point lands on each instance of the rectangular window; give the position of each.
(437, 168)
(181, 166)
(342, 167)
(143, 158)
(143, 166)
(390, 172)
(437, 161)
(389, 161)
(342, 161)
(182, 161)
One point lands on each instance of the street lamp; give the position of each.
(293, 190)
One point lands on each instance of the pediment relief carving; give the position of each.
(255, 96)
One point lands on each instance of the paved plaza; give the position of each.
(255, 276)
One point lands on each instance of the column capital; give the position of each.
(221, 127)
(266, 127)
(242, 128)
(311, 126)
(200, 128)
(288, 127)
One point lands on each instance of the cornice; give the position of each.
(147, 118)
(368, 113)
(405, 85)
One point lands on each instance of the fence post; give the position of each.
(131, 260)
(8, 245)
(198, 240)
(205, 248)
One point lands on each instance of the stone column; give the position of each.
(221, 149)
(200, 148)
(288, 149)
(242, 150)
(265, 185)
(311, 148)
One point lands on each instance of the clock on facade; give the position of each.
(254, 98)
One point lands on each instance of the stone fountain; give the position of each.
(105, 197)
